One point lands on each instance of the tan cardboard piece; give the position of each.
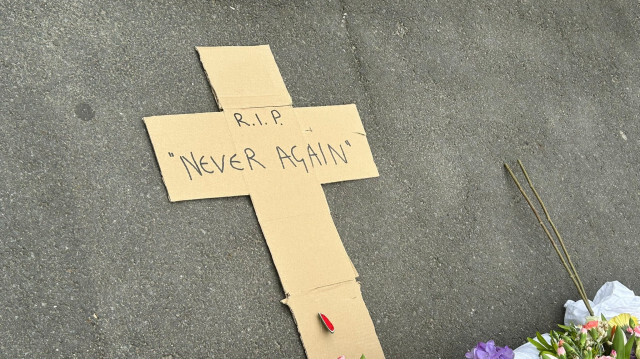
(261, 146)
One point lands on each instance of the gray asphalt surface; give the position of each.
(97, 263)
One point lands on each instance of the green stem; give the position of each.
(553, 243)
(557, 233)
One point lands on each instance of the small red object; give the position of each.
(327, 323)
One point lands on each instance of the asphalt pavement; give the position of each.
(97, 263)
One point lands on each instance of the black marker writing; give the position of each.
(204, 166)
(299, 160)
(282, 155)
(261, 119)
(276, 115)
(232, 161)
(332, 151)
(239, 121)
(311, 153)
(192, 164)
(251, 158)
(311, 156)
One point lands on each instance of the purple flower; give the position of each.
(489, 350)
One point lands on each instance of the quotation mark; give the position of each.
(170, 154)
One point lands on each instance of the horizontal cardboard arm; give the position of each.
(199, 159)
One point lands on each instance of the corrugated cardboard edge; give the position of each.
(156, 154)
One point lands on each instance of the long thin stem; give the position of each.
(557, 233)
(553, 243)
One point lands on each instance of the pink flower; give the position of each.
(342, 357)
(583, 331)
(561, 351)
(612, 356)
(635, 331)
(591, 324)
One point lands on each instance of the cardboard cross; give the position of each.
(261, 146)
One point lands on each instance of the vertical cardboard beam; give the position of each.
(314, 268)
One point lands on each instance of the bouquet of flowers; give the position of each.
(597, 339)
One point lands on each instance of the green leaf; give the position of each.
(583, 339)
(629, 347)
(618, 344)
(362, 357)
(543, 341)
(569, 348)
(565, 327)
(538, 346)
